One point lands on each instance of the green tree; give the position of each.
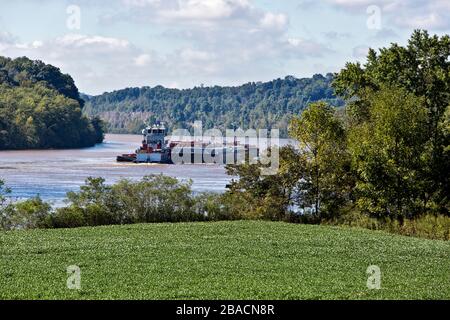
(258, 196)
(41, 108)
(252, 105)
(30, 214)
(389, 152)
(422, 68)
(324, 159)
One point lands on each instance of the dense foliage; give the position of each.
(386, 157)
(155, 198)
(159, 198)
(398, 111)
(253, 105)
(41, 108)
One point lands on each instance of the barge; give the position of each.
(157, 148)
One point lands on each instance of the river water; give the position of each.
(52, 173)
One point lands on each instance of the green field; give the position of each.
(225, 260)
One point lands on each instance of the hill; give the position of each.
(252, 105)
(41, 108)
(224, 260)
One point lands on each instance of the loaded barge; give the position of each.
(156, 148)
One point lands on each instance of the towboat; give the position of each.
(153, 149)
(156, 148)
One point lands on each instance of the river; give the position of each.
(52, 173)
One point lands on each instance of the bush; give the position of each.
(426, 226)
(159, 198)
(30, 214)
(212, 207)
(69, 217)
(155, 198)
(91, 206)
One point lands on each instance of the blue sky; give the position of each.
(108, 45)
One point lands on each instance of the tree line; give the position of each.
(41, 108)
(253, 105)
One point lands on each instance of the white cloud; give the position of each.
(307, 47)
(141, 3)
(360, 52)
(6, 40)
(427, 21)
(223, 42)
(192, 11)
(205, 9)
(79, 41)
(220, 41)
(357, 4)
(143, 60)
(37, 44)
(426, 14)
(274, 21)
(94, 61)
(189, 54)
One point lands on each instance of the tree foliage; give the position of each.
(385, 155)
(253, 105)
(389, 154)
(324, 159)
(155, 198)
(259, 196)
(421, 69)
(41, 108)
(23, 72)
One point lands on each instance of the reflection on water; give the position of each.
(52, 173)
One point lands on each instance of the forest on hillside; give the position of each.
(252, 105)
(41, 108)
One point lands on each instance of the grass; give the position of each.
(224, 260)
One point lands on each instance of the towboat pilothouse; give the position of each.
(154, 147)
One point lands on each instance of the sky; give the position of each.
(111, 45)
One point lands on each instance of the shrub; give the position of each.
(70, 217)
(211, 206)
(156, 198)
(426, 226)
(31, 214)
(91, 206)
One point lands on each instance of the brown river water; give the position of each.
(52, 173)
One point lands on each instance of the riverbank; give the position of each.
(223, 260)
